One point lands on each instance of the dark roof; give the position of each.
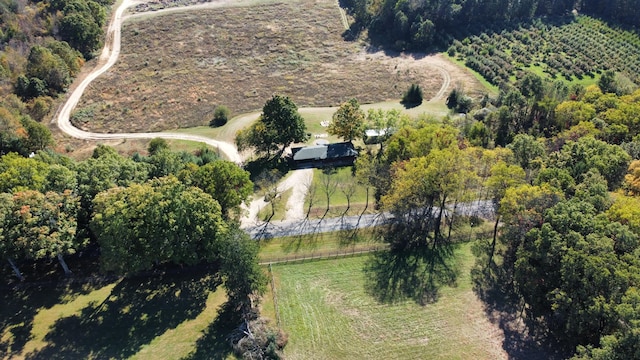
(324, 152)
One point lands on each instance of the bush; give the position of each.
(220, 116)
(413, 96)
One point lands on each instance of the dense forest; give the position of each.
(560, 165)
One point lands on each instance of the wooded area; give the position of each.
(560, 162)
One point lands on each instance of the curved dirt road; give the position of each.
(110, 54)
(298, 180)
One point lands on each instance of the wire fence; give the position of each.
(322, 255)
(275, 297)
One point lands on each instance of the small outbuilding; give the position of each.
(323, 155)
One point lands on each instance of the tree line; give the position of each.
(140, 212)
(43, 45)
(562, 175)
(413, 25)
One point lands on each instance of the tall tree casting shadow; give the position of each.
(214, 343)
(504, 307)
(400, 274)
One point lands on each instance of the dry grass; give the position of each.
(174, 69)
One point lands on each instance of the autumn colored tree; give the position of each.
(348, 121)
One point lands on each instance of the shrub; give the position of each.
(413, 96)
(220, 116)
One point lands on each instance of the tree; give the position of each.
(81, 31)
(413, 96)
(279, 125)
(503, 177)
(104, 170)
(225, 182)
(160, 221)
(632, 179)
(42, 225)
(348, 121)
(607, 82)
(588, 153)
(18, 173)
(239, 267)
(528, 152)
(157, 144)
(38, 136)
(220, 116)
(420, 190)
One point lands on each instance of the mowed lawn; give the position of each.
(328, 315)
(151, 317)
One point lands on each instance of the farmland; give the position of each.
(573, 50)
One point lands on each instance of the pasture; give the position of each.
(329, 314)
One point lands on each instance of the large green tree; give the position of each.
(226, 182)
(279, 125)
(160, 221)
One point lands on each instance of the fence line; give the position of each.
(275, 296)
(322, 255)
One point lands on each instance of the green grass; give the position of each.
(493, 89)
(328, 314)
(314, 245)
(280, 208)
(157, 317)
(338, 200)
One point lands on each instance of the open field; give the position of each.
(171, 74)
(328, 314)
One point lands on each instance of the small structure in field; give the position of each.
(323, 155)
(373, 136)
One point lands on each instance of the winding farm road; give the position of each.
(108, 57)
(298, 180)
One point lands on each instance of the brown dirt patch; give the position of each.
(175, 68)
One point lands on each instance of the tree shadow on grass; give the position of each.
(213, 345)
(269, 169)
(21, 303)
(400, 274)
(505, 308)
(137, 311)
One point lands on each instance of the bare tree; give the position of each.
(329, 186)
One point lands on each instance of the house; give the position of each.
(323, 155)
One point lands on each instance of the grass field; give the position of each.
(323, 244)
(337, 184)
(328, 314)
(157, 317)
(172, 74)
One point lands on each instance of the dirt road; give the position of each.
(108, 57)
